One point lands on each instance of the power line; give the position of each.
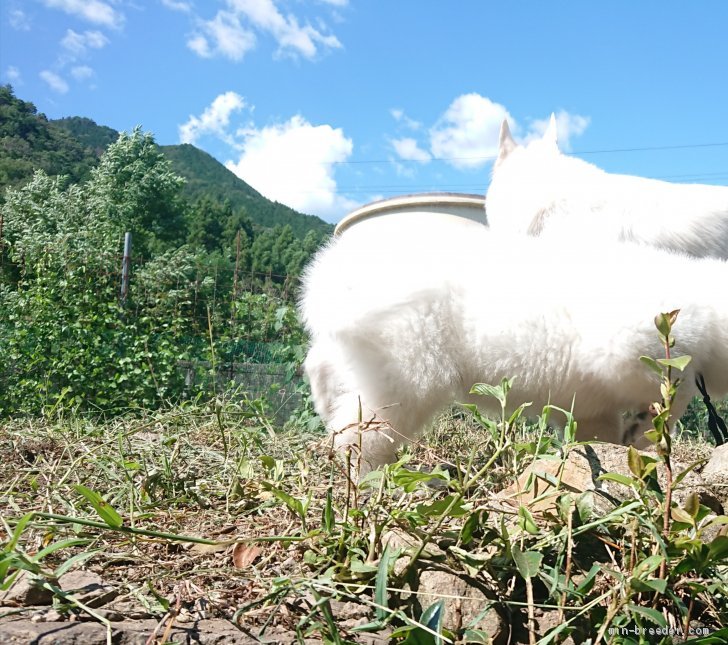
(485, 158)
(480, 187)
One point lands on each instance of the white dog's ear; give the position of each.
(551, 135)
(506, 144)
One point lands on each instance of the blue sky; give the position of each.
(328, 104)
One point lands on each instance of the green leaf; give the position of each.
(634, 461)
(528, 563)
(381, 596)
(681, 475)
(471, 526)
(19, 528)
(496, 391)
(357, 566)
(77, 559)
(652, 364)
(718, 548)
(619, 478)
(526, 521)
(103, 509)
(411, 479)
(477, 636)
(518, 412)
(647, 566)
(294, 505)
(585, 506)
(329, 519)
(648, 586)
(432, 617)
(680, 515)
(56, 546)
(678, 362)
(586, 585)
(325, 606)
(665, 321)
(692, 505)
(440, 506)
(651, 614)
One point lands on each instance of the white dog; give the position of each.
(403, 321)
(538, 190)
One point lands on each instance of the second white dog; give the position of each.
(536, 189)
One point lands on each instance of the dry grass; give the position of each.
(290, 537)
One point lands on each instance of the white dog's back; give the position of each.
(404, 321)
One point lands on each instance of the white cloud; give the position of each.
(19, 20)
(81, 72)
(294, 163)
(232, 32)
(403, 119)
(12, 74)
(567, 126)
(198, 44)
(214, 120)
(95, 11)
(228, 36)
(77, 44)
(178, 5)
(288, 33)
(55, 82)
(336, 3)
(467, 134)
(408, 149)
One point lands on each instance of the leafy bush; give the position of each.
(68, 341)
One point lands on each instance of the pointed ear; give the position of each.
(551, 135)
(506, 144)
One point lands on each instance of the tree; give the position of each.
(135, 187)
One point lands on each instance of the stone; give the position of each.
(26, 592)
(466, 606)
(137, 632)
(717, 466)
(88, 588)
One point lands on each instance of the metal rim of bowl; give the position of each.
(429, 199)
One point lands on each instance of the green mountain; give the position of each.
(72, 146)
(29, 141)
(86, 132)
(207, 177)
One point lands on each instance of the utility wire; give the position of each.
(577, 152)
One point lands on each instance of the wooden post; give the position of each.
(125, 267)
(235, 277)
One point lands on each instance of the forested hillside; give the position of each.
(208, 285)
(29, 141)
(207, 177)
(73, 145)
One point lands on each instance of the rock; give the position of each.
(717, 466)
(466, 606)
(137, 632)
(26, 592)
(580, 473)
(88, 588)
(47, 616)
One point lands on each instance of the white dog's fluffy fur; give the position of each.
(403, 321)
(538, 190)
